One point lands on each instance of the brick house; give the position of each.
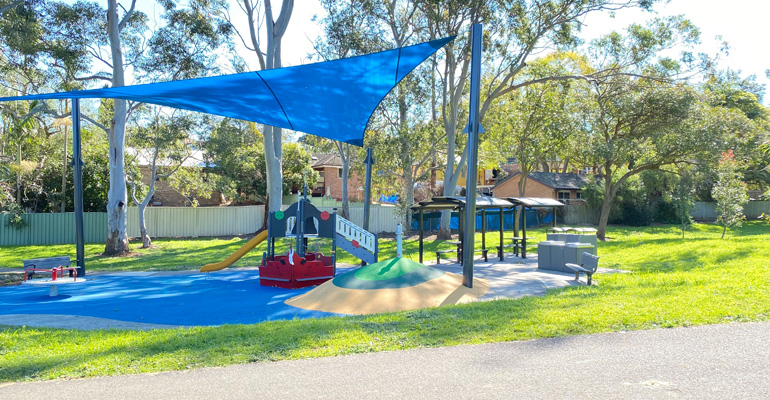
(329, 167)
(552, 185)
(165, 195)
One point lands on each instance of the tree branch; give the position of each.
(126, 17)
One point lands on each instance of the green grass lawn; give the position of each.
(182, 254)
(674, 282)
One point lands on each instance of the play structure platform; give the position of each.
(300, 268)
(299, 223)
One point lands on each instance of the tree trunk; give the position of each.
(274, 167)
(604, 218)
(117, 239)
(272, 135)
(724, 229)
(609, 195)
(450, 109)
(146, 240)
(345, 175)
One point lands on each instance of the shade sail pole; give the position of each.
(474, 126)
(77, 173)
(368, 190)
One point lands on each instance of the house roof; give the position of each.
(555, 180)
(326, 160)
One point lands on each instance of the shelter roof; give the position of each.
(535, 202)
(457, 202)
(332, 99)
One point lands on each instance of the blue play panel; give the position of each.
(224, 297)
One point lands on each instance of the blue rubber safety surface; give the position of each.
(224, 297)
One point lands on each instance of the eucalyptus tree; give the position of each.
(536, 121)
(404, 143)
(163, 142)
(517, 31)
(266, 46)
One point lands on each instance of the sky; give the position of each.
(739, 22)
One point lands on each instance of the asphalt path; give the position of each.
(730, 361)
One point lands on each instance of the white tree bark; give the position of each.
(272, 136)
(117, 238)
(344, 151)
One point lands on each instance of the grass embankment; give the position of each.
(675, 282)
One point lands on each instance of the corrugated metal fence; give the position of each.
(580, 215)
(44, 229)
(53, 229)
(706, 211)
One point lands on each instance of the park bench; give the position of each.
(440, 252)
(589, 266)
(457, 250)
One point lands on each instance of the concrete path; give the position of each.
(710, 362)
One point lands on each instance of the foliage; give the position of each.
(535, 123)
(15, 216)
(684, 200)
(729, 193)
(234, 149)
(673, 283)
(296, 167)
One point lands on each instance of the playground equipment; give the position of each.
(299, 268)
(54, 266)
(250, 245)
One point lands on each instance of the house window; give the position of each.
(320, 176)
(578, 194)
(339, 173)
(563, 196)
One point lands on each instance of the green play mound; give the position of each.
(389, 285)
(388, 274)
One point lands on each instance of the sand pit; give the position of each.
(387, 286)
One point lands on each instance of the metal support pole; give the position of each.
(524, 232)
(301, 227)
(472, 147)
(368, 189)
(461, 235)
(483, 228)
(77, 173)
(501, 253)
(421, 234)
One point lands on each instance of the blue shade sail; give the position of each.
(332, 99)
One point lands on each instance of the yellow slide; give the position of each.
(251, 244)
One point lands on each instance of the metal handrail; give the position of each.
(351, 231)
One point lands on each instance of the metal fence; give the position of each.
(707, 211)
(580, 214)
(42, 229)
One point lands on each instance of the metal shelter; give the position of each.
(532, 202)
(456, 203)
